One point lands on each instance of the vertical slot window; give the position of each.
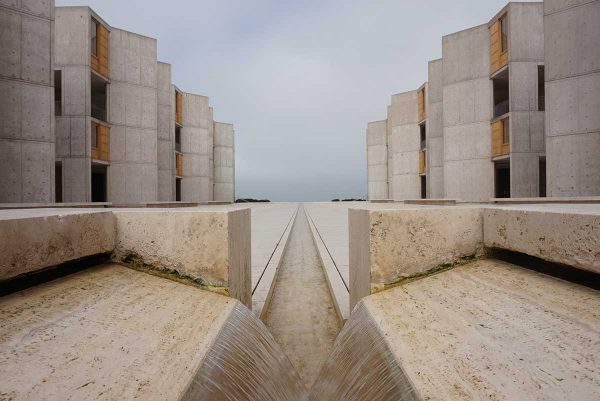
(505, 132)
(541, 89)
(504, 32)
(58, 92)
(94, 35)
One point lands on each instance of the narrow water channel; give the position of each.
(301, 316)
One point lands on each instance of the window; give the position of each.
(58, 93)
(99, 98)
(178, 139)
(501, 94)
(504, 32)
(94, 135)
(94, 43)
(541, 89)
(505, 131)
(423, 136)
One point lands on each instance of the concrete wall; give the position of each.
(196, 148)
(27, 137)
(390, 154)
(525, 53)
(224, 162)
(468, 168)
(211, 154)
(166, 134)
(405, 137)
(435, 130)
(133, 116)
(377, 158)
(572, 59)
(73, 126)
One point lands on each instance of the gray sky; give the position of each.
(298, 79)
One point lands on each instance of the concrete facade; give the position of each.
(27, 131)
(196, 147)
(435, 130)
(377, 160)
(166, 133)
(403, 117)
(74, 122)
(572, 58)
(224, 163)
(133, 116)
(468, 167)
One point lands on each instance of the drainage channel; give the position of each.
(301, 316)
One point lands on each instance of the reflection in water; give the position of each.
(361, 366)
(245, 363)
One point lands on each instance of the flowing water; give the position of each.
(244, 364)
(301, 315)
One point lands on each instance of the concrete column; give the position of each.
(405, 136)
(572, 57)
(435, 130)
(166, 134)
(468, 167)
(224, 162)
(27, 137)
(377, 158)
(195, 142)
(133, 116)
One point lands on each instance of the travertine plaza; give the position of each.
(128, 272)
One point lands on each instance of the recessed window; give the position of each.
(58, 92)
(505, 132)
(423, 136)
(94, 135)
(504, 31)
(99, 98)
(541, 89)
(94, 43)
(178, 139)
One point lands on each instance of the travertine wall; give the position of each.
(435, 130)
(468, 167)
(224, 163)
(133, 116)
(27, 136)
(572, 59)
(196, 148)
(377, 158)
(405, 138)
(166, 134)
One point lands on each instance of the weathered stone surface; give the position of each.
(112, 333)
(210, 248)
(569, 235)
(387, 246)
(32, 240)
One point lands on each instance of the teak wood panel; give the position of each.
(102, 152)
(179, 164)
(499, 148)
(498, 58)
(100, 62)
(178, 108)
(422, 162)
(422, 104)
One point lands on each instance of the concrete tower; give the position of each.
(27, 138)
(572, 58)
(224, 163)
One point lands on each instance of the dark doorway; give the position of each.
(58, 183)
(502, 179)
(178, 189)
(542, 177)
(99, 184)
(423, 187)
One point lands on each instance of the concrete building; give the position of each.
(133, 118)
(377, 160)
(27, 136)
(468, 167)
(434, 131)
(517, 122)
(166, 127)
(196, 146)
(572, 59)
(405, 140)
(224, 163)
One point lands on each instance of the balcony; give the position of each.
(501, 108)
(422, 162)
(501, 138)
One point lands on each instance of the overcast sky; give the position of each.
(298, 79)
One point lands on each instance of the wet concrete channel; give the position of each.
(302, 317)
